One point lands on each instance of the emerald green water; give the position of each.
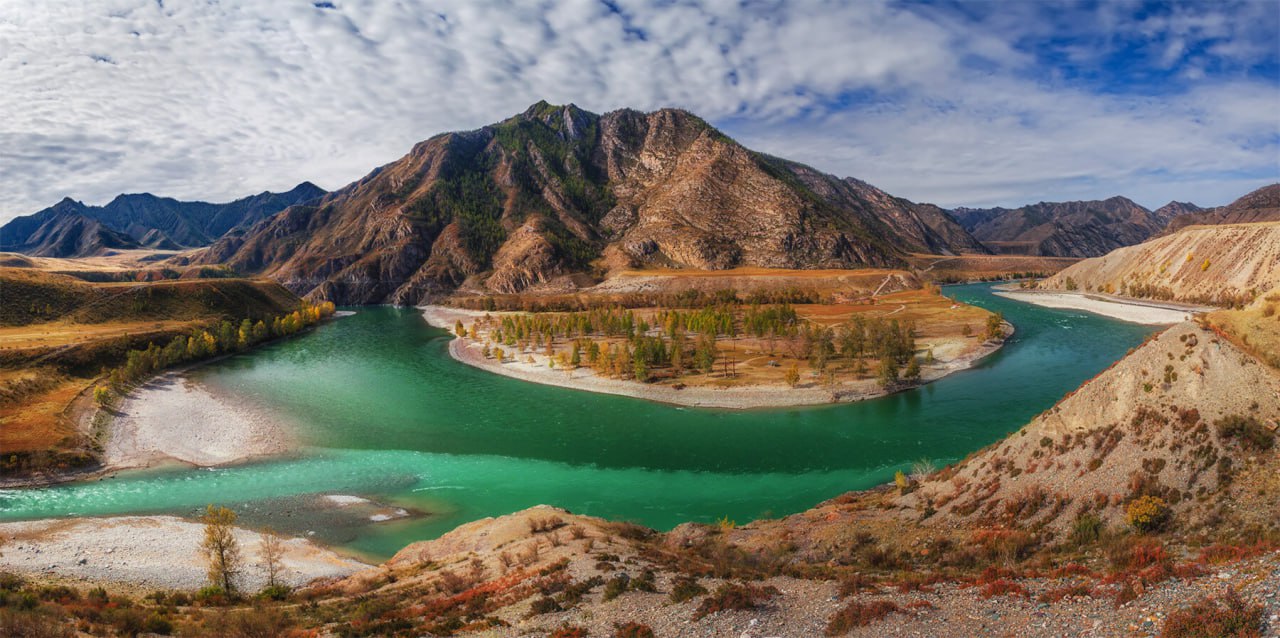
(385, 413)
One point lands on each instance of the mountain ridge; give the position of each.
(555, 191)
(146, 220)
(1086, 228)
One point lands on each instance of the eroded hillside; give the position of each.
(1219, 265)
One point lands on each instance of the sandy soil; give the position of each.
(1144, 312)
(746, 397)
(151, 552)
(173, 417)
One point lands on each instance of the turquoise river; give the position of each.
(385, 413)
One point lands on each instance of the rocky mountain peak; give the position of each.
(556, 192)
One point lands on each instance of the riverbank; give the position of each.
(1132, 310)
(148, 553)
(174, 417)
(808, 392)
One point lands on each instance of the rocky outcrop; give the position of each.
(146, 220)
(1062, 229)
(559, 191)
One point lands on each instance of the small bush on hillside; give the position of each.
(632, 630)
(1225, 617)
(1003, 587)
(544, 605)
(31, 624)
(1251, 433)
(616, 587)
(1086, 529)
(686, 588)
(739, 596)
(859, 614)
(1147, 513)
(568, 631)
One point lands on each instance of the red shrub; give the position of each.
(1003, 587)
(735, 596)
(857, 614)
(1226, 617)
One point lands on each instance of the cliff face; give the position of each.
(1063, 229)
(143, 219)
(556, 191)
(1262, 205)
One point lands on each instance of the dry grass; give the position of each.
(985, 267)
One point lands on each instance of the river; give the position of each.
(384, 412)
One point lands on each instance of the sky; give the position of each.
(950, 102)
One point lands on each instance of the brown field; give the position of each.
(55, 334)
(35, 421)
(58, 331)
(117, 260)
(948, 269)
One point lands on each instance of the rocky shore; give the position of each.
(149, 552)
(1135, 311)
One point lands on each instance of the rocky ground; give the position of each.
(145, 553)
(173, 417)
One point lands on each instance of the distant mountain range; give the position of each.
(1262, 205)
(1215, 264)
(556, 192)
(74, 229)
(1067, 229)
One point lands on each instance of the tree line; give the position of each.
(680, 299)
(202, 343)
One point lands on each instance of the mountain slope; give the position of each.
(61, 231)
(1224, 265)
(1262, 205)
(1175, 209)
(1063, 229)
(557, 190)
(144, 219)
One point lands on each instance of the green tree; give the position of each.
(887, 374)
(640, 367)
(912, 373)
(995, 327)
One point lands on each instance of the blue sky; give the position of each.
(951, 102)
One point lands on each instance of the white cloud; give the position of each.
(218, 100)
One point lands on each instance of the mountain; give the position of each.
(1262, 205)
(1223, 265)
(1062, 229)
(61, 231)
(1173, 209)
(146, 220)
(557, 190)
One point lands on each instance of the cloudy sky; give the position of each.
(956, 103)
